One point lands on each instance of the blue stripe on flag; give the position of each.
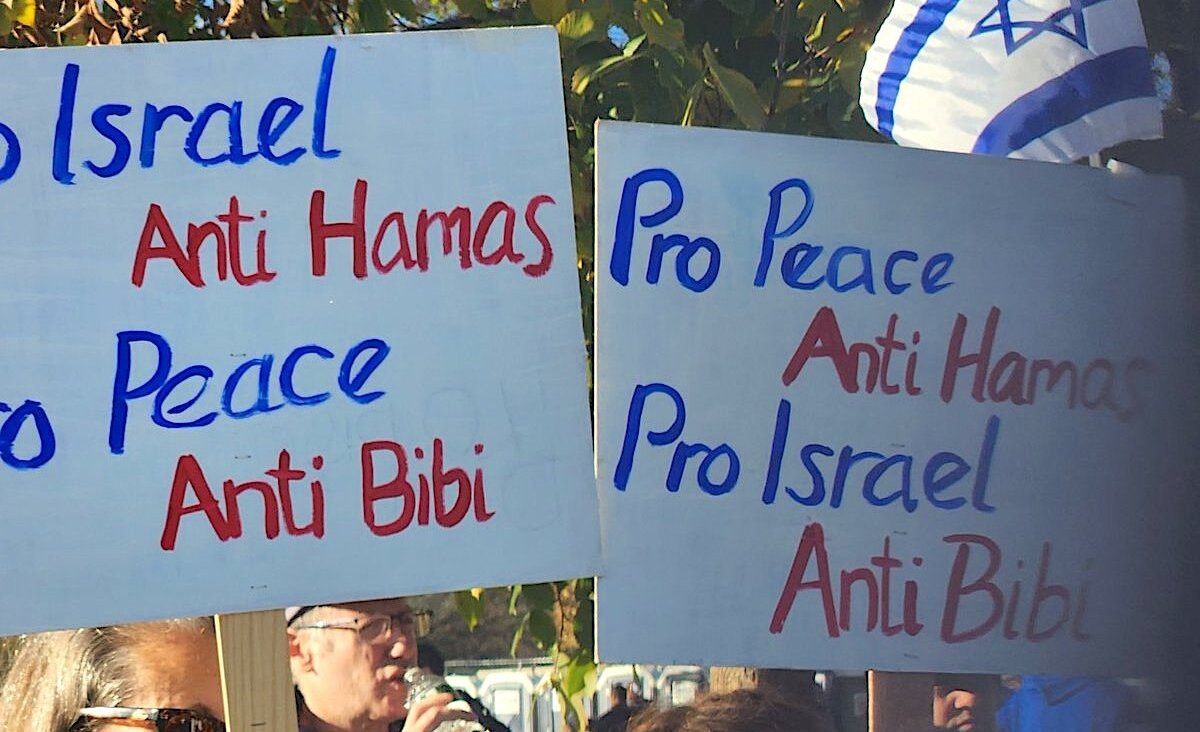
(928, 20)
(1114, 77)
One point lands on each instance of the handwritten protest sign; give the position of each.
(286, 321)
(865, 407)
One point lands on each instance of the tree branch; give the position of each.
(782, 29)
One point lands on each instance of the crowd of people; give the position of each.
(347, 662)
(348, 665)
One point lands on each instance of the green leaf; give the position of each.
(549, 11)
(580, 25)
(578, 711)
(470, 606)
(651, 102)
(689, 107)
(514, 594)
(5, 22)
(477, 9)
(851, 58)
(25, 12)
(634, 44)
(829, 28)
(739, 7)
(844, 114)
(587, 73)
(177, 23)
(761, 20)
(622, 9)
(661, 29)
(812, 8)
(540, 596)
(518, 634)
(542, 628)
(581, 193)
(677, 72)
(404, 8)
(804, 90)
(738, 91)
(579, 675)
(817, 29)
(372, 17)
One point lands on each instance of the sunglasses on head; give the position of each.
(164, 720)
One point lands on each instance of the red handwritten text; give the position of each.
(225, 234)
(430, 491)
(978, 603)
(1016, 378)
(276, 497)
(392, 246)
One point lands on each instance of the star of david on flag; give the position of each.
(1042, 79)
(1001, 20)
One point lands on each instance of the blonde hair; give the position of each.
(54, 675)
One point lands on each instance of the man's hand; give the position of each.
(428, 713)
(954, 709)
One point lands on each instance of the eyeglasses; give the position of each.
(165, 720)
(379, 628)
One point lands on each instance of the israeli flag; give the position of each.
(1042, 79)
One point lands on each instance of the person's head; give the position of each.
(635, 695)
(953, 707)
(670, 719)
(618, 695)
(348, 660)
(742, 710)
(169, 664)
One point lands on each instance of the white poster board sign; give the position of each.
(867, 407)
(279, 338)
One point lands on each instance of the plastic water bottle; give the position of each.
(422, 684)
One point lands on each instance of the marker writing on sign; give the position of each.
(823, 339)
(271, 391)
(16, 422)
(204, 129)
(1100, 384)
(986, 592)
(226, 235)
(848, 268)
(397, 490)
(277, 498)
(657, 417)
(463, 236)
(803, 266)
(12, 152)
(459, 232)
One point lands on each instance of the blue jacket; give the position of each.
(1065, 704)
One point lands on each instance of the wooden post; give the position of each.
(256, 679)
(899, 702)
(798, 686)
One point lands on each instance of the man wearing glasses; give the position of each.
(348, 662)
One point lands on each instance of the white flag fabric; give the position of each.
(1041, 79)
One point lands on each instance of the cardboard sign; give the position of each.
(279, 337)
(866, 407)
